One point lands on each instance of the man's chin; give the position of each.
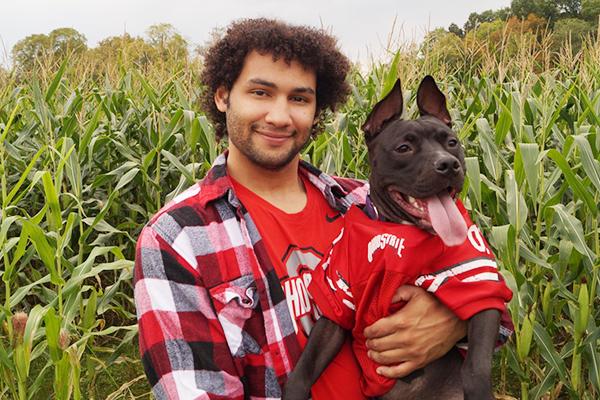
(272, 162)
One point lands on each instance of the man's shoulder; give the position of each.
(190, 208)
(355, 190)
(188, 199)
(350, 183)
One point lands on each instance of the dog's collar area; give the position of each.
(370, 209)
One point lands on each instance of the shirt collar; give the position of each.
(217, 184)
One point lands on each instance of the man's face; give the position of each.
(269, 110)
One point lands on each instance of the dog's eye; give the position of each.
(452, 142)
(403, 148)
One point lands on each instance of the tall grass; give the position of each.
(87, 155)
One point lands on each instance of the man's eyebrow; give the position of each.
(263, 82)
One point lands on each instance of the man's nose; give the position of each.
(279, 113)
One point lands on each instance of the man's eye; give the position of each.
(299, 99)
(259, 92)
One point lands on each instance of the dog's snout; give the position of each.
(447, 166)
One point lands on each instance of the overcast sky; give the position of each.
(362, 27)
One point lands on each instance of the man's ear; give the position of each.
(387, 109)
(222, 98)
(431, 100)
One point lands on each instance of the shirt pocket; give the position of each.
(239, 312)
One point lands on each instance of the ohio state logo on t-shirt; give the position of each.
(300, 262)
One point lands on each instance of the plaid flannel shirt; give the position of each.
(213, 319)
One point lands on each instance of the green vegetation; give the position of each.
(546, 22)
(90, 150)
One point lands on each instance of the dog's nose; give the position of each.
(447, 166)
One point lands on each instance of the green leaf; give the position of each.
(529, 156)
(33, 323)
(504, 123)
(391, 76)
(516, 207)
(25, 290)
(24, 175)
(43, 248)
(592, 356)
(75, 281)
(172, 127)
(590, 165)
(9, 123)
(52, 322)
(73, 171)
(491, 157)
(149, 90)
(524, 337)
(56, 80)
(89, 131)
(582, 313)
(574, 183)
(17, 255)
(52, 201)
(126, 178)
(542, 389)
(548, 352)
(473, 174)
(173, 160)
(208, 139)
(574, 231)
(89, 315)
(65, 238)
(101, 226)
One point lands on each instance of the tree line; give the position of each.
(162, 43)
(550, 25)
(551, 30)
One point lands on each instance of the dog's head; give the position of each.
(417, 166)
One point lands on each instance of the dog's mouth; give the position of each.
(437, 213)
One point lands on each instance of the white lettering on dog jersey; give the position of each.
(476, 239)
(381, 241)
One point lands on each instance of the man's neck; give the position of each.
(283, 187)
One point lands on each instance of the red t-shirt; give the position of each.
(296, 244)
(355, 283)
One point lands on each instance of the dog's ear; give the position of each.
(431, 100)
(387, 109)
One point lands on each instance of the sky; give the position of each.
(363, 28)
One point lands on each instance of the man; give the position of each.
(221, 272)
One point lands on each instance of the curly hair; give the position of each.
(312, 48)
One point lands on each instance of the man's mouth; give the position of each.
(437, 213)
(273, 135)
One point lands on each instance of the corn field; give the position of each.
(86, 159)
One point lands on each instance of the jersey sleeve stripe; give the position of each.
(484, 276)
(436, 279)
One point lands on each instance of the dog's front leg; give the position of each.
(325, 341)
(476, 371)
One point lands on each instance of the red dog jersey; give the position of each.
(369, 260)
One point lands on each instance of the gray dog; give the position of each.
(412, 231)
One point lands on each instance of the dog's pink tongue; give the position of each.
(446, 219)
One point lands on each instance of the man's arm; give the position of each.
(419, 333)
(183, 347)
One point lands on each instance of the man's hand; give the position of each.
(419, 333)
